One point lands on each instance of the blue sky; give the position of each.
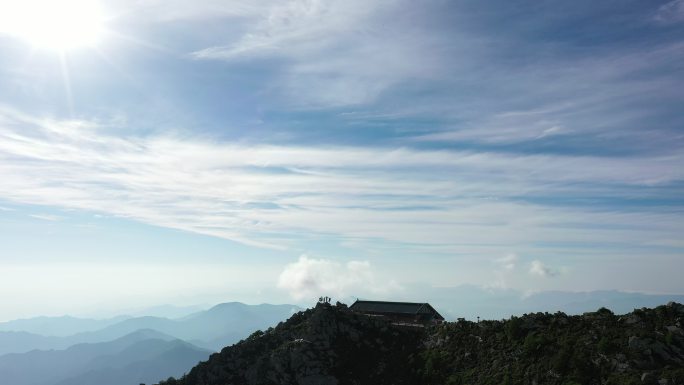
(275, 151)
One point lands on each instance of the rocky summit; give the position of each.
(330, 345)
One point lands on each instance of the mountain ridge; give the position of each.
(211, 329)
(60, 326)
(330, 345)
(44, 367)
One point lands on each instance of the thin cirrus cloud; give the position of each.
(607, 96)
(179, 10)
(278, 196)
(336, 53)
(671, 12)
(484, 87)
(45, 217)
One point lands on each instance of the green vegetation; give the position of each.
(331, 345)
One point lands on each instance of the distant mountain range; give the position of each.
(469, 301)
(165, 311)
(59, 326)
(141, 363)
(145, 349)
(81, 364)
(212, 329)
(227, 323)
(124, 350)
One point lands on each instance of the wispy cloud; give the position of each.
(671, 12)
(46, 217)
(335, 53)
(278, 196)
(179, 10)
(591, 97)
(504, 271)
(486, 87)
(508, 261)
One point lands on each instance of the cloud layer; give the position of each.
(280, 196)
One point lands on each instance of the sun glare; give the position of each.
(59, 25)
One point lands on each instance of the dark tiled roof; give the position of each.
(394, 307)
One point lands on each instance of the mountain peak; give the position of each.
(314, 346)
(330, 345)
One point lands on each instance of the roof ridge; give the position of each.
(408, 303)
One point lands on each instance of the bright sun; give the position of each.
(59, 25)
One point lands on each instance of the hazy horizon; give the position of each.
(465, 301)
(170, 152)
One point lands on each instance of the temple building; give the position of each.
(399, 312)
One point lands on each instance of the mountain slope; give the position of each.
(142, 363)
(21, 342)
(208, 328)
(47, 367)
(166, 311)
(330, 345)
(222, 325)
(316, 346)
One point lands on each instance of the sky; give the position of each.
(204, 151)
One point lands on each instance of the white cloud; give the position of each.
(310, 278)
(537, 267)
(283, 196)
